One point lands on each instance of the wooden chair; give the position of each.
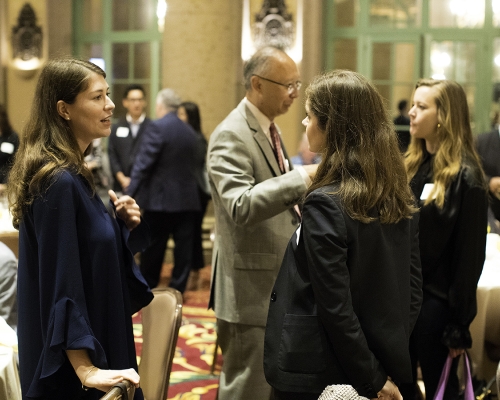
(123, 391)
(161, 321)
(498, 379)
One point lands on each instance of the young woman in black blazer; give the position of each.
(447, 180)
(349, 289)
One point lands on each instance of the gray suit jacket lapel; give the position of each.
(260, 137)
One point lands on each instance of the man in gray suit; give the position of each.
(255, 190)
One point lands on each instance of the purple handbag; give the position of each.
(468, 393)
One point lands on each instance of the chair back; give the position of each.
(122, 391)
(498, 379)
(161, 321)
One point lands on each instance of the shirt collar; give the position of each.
(138, 122)
(263, 121)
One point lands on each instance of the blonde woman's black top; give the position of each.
(452, 244)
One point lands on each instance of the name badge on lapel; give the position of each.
(122, 131)
(427, 191)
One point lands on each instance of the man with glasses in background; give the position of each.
(255, 191)
(126, 135)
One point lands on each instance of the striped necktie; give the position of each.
(275, 138)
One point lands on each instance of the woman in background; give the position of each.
(349, 289)
(9, 143)
(190, 113)
(77, 282)
(446, 178)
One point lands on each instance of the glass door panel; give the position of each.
(345, 54)
(142, 60)
(456, 13)
(92, 16)
(395, 13)
(393, 71)
(456, 61)
(345, 12)
(120, 60)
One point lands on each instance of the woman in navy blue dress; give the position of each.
(77, 282)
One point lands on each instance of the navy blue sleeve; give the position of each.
(63, 311)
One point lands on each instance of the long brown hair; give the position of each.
(47, 145)
(361, 154)
(456, 143)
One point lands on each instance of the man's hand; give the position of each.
(123, 180)
(127, 209)
(310, 169)
(495, 186)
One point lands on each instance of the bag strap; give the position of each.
(469, 392)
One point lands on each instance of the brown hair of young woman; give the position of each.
(361, 153)
(456, 143)
(47, 144)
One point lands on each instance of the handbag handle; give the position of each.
(469, 392)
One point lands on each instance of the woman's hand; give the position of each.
(104, 379)
(127, 209)
(455, 352)
(390, 391)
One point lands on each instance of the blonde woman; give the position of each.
(447, 180)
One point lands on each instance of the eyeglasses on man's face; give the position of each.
(290, 87)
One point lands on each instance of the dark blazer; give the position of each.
(345, 302)
(162, 177)
(122, 150)
(488, 148)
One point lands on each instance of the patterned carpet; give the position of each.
(190, 378)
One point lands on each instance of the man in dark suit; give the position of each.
(488, 147)
(254, 189)
(126, 136)
(402, 120)
(164, 185)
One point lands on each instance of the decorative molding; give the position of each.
(274, 26)
(26, 42)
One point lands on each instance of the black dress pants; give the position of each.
(162, 224)
(427, 349)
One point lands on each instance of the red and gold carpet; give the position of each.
(190, 378)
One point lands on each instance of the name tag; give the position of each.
(427, 191)
(298, 234)
(7, 148)
(122, 131)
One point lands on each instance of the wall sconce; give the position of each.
(273, 26)
(161, 12)
(26, 43)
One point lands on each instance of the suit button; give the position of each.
(273, 296)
